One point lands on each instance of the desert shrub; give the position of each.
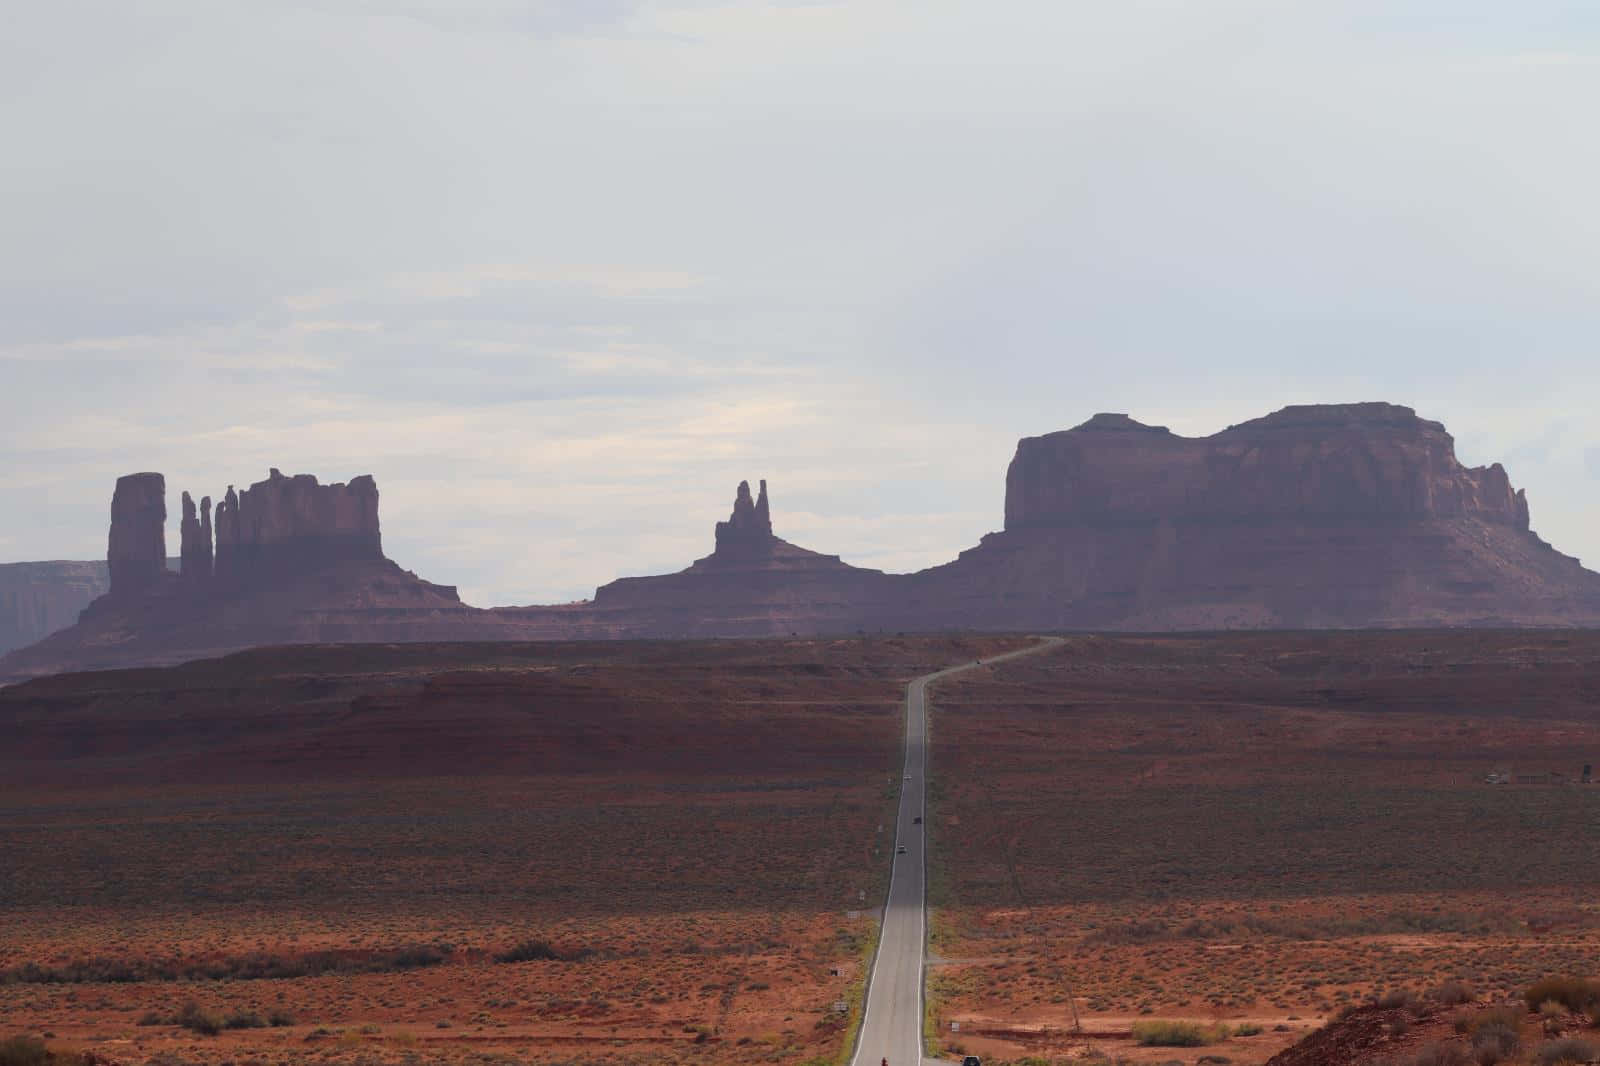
(1397, 997)
(1570, 1050)
(1495, 1043)
(243, 968)
(279, 1018)
(23, 1051)
(199, 1020)
(1573, 993)
(1247, 1029)
(530, 951)
(1509, 1017)
(244, 1019)
(1399, 1027)
(1144, 932)
(414, 958)
(1452, 994)
(1176, 1034)
(1441, 1053)
(153, 1017)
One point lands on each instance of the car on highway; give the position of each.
(901, 850)
(917, 820)
(972, 1060)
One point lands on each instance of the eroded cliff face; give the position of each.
(195, 538)
(37, 599)
(1339, 462)
(295, 524)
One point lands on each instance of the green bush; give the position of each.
(1177, 1034)
(1247, 1029)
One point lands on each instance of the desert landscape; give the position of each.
(799, 533)
(670, 852)
(1256, 832)
(615, 852)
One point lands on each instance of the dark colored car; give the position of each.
(917, 820)
(971, 1060)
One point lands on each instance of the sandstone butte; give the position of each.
(1326, 516)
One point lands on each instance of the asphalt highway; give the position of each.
(891, 1027)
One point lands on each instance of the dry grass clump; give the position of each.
(1178, 1034)
(1495, 1043)
(1566, 1052)
(1452, 994)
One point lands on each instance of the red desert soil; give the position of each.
(1257, 829)
(347, 837)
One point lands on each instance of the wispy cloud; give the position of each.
(560, 273)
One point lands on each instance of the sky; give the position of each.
(560, 273)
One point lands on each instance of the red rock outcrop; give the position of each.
(753, 584)
(748, 530)
(295, 524)
(1346, 515)
(137, 546)
(195, 540)
(294, 562)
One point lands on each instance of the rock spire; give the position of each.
(137, 547)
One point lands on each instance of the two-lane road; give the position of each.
(891, 1027)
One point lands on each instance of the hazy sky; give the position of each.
(561, 272)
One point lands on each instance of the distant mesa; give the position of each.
(40, 598)
(1317, 516)
(1335, 515)
(1341, 462)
